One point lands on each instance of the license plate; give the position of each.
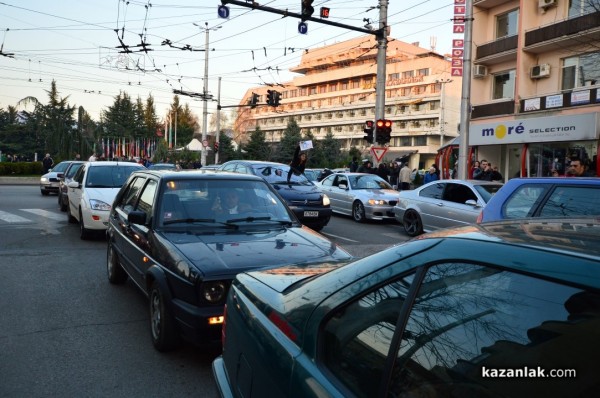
(311, 214)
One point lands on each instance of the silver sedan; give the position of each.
(363, 196)
(443, 204)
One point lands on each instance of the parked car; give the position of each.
(163, 166)
(443, 204)
(544, 197)
(312, 174)
(171, 234)
(476, 311)
(63, 200)
(49, 181)
(363, 196)
(92, 191)
(307, 201)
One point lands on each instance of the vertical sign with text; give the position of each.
(458, 45)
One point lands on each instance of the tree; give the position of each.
(257, 148)
(330, 151)
(121, 119)
(226, 151)
(150, 117)
(289, 141)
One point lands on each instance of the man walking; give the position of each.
(47, 163)
(404, 177)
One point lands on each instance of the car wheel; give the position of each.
(116, 273)
(412, 223)
(45, 193)
(84, 233)
(358, 211)
(162, 326)
(72, 220)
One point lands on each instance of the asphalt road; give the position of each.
(65, 331)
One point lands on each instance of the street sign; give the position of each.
(223, 11)
(378, 153)
(204, 143)
(302, 28)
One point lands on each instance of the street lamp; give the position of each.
(205, 91)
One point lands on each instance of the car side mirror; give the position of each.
(60, 175)
(73, 184)
(472, 202)
(137, 217)
(342, 186)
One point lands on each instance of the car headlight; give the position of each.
(44, 179)
(374, 202)
(213, 292)
(326, 201)
(99, 205)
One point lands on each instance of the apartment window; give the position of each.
(405, 141)
(581, 71)
(434, 105)
(293, 93)
(344, 86)
(582, 7)
(402, 125)
(436, 88)
(506, 24)
(423, 72)
(420, 89)
(322, 89)
(408, 73)
(302, 92)
(420, 140)
(313, 90)
(332, 87)
(406, 91)
(394, 76)
(504, 85)
(356, 83)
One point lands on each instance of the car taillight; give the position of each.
(479, 218)
(283, 325)
(223, 327)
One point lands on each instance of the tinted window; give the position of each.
(79, 174)
(73, 169)
(434, 191)
(108, 176)
(131, 195)
(521, 202)
(61, 167)
(572, 201)
(146, 202)
(229, 167)
(358, 337)
(458, 193)
(468, 318)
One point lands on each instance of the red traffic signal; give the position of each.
(324, 12)
(384, 131)
(216, 147)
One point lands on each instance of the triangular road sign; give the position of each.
(379, 152)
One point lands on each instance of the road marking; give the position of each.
(340, 237)
(45, 213)
(13, 218)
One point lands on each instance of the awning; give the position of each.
(400, 154)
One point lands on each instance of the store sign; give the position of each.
(554, 101)
(458, 45)
(541, 129)
(532, 104)
(580, 97)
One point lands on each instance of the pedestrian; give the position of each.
(405, 177)
(77, 156)
(394, 170)
(363, 167)
(298, 164)
(92, 157)
(47, 163)
(431, 175)
(353, 166)
(577, 168)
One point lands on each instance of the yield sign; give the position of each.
(379, 152)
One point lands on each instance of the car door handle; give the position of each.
(440, 204)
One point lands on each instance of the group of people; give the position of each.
(483, 170)
(398, 174)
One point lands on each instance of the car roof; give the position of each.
(554, 180)
(257, 162)
(105, 163)
(197, 173)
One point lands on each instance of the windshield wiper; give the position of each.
(253, 219)
(197, 220)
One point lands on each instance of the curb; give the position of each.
(19, 180)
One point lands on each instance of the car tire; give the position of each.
(162, 325)
(45, 193)
(412, 223)
(70, 218)
(358, 211)
(116, 273)
(84, 233)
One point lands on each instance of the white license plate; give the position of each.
(311, 214)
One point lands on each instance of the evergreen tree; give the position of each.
(226, 151)
(121, 119)
(257, 149)
(289, 141)
(330, 149)
(150, 118)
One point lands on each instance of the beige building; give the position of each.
(536, 84)
(335, 92)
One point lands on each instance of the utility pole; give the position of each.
(465, 101)
(442, 104)
(381, 67)
(218, 123)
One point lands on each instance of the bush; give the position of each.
(20, 168)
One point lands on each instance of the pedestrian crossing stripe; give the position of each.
(46, 213)
(13, 218)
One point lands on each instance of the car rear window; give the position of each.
(567, 201)
(109, 176)
(522, 200)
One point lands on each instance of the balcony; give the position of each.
(489, 3)
(500, 50)
(505, 107)
(568, 33)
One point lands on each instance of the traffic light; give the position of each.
(384, 131)
(307, 9)
(216, 146)
(270, 97)
(253, 100)
(276, 98)
(369, 131)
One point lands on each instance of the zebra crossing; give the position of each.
(30, 216)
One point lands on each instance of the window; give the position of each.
(404, 141)
(458, 193)
(358, 336)
(420, 140)
(356, 83)
(434, 191)
(405, 91)
(522, 201)
(344, 85)
(312, 90)
(407, 74)
(423, 72)
(333, 87)
(467, 317)
(581, 71)
(322, 89)
(572, 201)
(506, 24)
(131, 195)
(420, 89)
(146, 202)
(434, 105)
(582, 7)
(504, 85)
(394, 76)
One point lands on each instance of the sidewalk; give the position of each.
(4, 180)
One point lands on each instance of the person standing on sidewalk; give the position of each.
(405, 177)
(47, 163)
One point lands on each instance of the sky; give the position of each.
(79, 45)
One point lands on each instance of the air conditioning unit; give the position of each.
(480, 71)
(540, 71)
(546, 3)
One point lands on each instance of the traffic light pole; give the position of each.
(218, 123)
(381, 67)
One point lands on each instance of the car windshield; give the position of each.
(209, 203)
(487, 191)
(278, 175)
(61, 167)
(368, 181)
(108, 176)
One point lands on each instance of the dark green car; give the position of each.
(506, 309)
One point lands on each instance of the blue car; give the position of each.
(544, 197)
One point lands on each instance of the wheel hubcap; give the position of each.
(155, 314)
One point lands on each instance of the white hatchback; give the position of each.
(92, 192)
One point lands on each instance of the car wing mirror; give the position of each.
(60, 175)
(137, 217)
(342, 186)
(73, 184)
(472, 202)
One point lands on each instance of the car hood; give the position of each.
(298, 192)
(387, 193)
(107, 195)
(51, 174)
(233, 252)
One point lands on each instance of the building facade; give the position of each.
(535, 91)
(335, 92)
